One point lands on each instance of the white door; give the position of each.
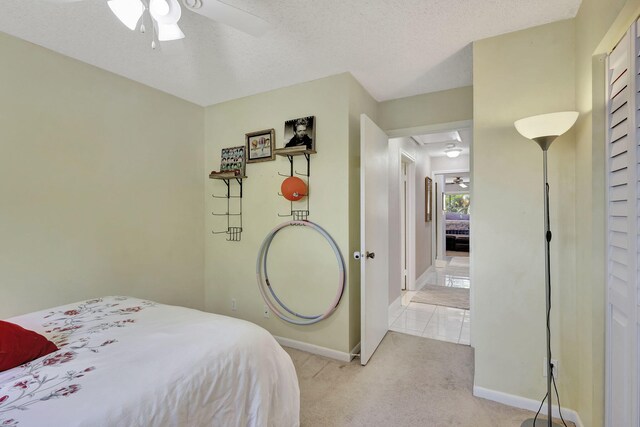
(374, 236)
(622, 236)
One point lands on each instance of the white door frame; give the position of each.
(409, 217)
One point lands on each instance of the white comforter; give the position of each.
(128, 362)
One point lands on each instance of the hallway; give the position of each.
(436, 321)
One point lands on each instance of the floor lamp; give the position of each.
(544, 129)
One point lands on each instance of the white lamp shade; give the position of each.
(552, 124)
(168, 32)
(127, 11)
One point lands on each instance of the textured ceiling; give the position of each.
(395, 48)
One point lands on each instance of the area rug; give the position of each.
(443, 295)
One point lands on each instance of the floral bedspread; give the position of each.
(126, 361)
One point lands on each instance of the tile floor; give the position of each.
(432, 321)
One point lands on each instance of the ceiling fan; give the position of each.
(460, 182)
(165, 14)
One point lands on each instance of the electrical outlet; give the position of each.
(556, 368)
(234, 305)
(265, 311)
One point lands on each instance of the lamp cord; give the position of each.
(540, 408)
(550, 367)
(553, 378)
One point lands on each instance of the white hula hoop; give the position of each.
(263, 277)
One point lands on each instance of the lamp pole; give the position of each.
(545, 142)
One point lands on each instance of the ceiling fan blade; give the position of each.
(229, 15)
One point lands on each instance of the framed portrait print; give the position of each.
(300, 133)
(260, 146)
(232, 160)
(428, 198)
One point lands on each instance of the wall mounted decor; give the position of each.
(275, 304)
(428, 199)
(290, 153)
(233, 213)
(260, 146)
(232, 159)
(300, 133)
(232, 167)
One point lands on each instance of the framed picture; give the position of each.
(300, 133)
(260, 146)
(428, 198)
(232, 159)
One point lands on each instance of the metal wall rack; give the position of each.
(290, 153)
(234, 232)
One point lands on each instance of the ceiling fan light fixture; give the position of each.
(159, 7)
(166, 14)
(127, 11)
(452, 151)
(169, 32)
(165, 11)
(458, 180)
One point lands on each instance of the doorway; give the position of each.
(408, 164)
(406, 191)
(415, 313)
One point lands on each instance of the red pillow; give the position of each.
(19, 345)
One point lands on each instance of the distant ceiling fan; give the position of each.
(165, 15)
(458, 180)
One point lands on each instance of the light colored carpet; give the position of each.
(443, 295)
(458, 261)
(409, 381)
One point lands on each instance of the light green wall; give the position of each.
(101, 185)
(599, 26)
(518, 75)
(302, 271)
(447, 106)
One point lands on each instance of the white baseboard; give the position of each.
(394, 306)
(525, 403)
(316, 349)
(355, 351)
(441, 263)
(422, 280)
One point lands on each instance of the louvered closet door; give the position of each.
(622, 235)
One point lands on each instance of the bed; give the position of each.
(123, 361)
(457, 231)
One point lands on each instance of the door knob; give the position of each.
(371, 255)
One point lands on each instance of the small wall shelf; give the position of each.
(234, 232)
(290, 153)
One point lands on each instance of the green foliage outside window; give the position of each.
(457, 203)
